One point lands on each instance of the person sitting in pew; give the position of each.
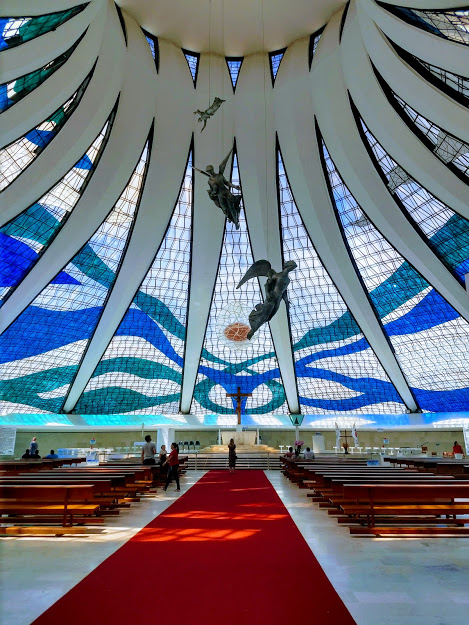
(52, 455)
(148, 451)
(308, 455)
(36, 455)
(289, 453)
(457, 449)
(26, 455)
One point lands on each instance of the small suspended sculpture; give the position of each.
(212, 109)
(220, 193)
(275, 291)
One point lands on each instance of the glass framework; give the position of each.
(15, 90)
(228, 359)
(451, 151)
(275, 59)
(192, 59)
(335, 366)
(42, 349)
(313, 44)
(26, 237)
(17, 30)
(141, 370)
(453, 25)
(446, 232)
(428, 336)
(154, 48)
(15, 157)
(234, 66)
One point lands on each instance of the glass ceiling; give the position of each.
(337, 371)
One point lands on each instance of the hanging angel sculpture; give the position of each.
(220, 193)
(275, 291)
(212, 109)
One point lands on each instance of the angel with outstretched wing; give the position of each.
(220, 193)
(275, 291)
(204, 116)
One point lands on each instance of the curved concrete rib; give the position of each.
(302, 162)
(389, 129)
(37, 52)
(116, 166)
(51, 94)
(165, 173)
(441, 52)
(78, 132)
(426, 99)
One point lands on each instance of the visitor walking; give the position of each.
(148, 451)
(232, 455)
(173, 466)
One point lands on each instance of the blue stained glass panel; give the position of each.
(17, 30)
(42, 349)
(228, 359)
(275, 60)
(27, 236)
(428, 336)
(336, 369)
(446, 232)
(15, 157)
(141, 369)
(234, 66)
(193, 63)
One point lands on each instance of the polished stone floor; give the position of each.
(386, 581)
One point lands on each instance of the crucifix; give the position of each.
(346, 445)
(239, 396)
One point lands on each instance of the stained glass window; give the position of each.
(449, 24)
(446, 232)
(15, 157)
(228, 359)
(141, 370)
(313, 44)
(335, 366)
(26, 237)
(42, 349)
(275, 59)
(17, 30)
(428, 336)
(154, 48)
(192, 59)
(13, 91)
(234, 66)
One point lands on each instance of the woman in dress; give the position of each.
(232, 455)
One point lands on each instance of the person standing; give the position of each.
(232, 455)
(33, 446)
(163, 455)
(148, 451)
(457, 449)
(173, 467)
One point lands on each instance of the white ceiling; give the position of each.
(231, 27)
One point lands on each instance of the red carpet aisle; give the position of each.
(226, 552)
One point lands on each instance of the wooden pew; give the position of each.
(427, 499)
(66, 500)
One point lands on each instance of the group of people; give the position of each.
(172, 460)
(32, 453)
(307, 455)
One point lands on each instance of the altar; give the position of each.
(240, 438)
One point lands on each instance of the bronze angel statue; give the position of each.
(275, 291)
(220, 193)
(204, 116)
